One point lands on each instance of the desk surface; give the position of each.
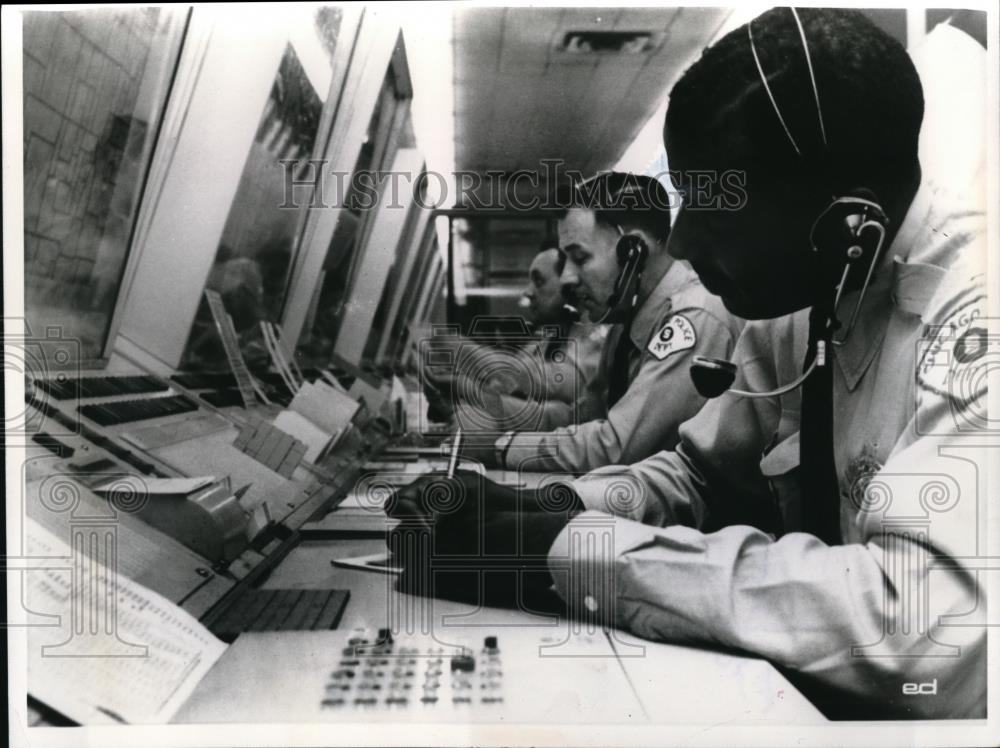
(674, 684)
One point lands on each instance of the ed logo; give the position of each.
(920, 689)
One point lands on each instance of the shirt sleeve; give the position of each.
(549, 413)
(720, 447)
(889, 626)
(645, 420)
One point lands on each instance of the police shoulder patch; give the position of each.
(676, 335)
(949, 353)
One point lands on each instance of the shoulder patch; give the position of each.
(676, 335)
(949, 357)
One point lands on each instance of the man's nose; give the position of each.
(569, 278)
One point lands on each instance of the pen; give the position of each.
(454, 453)
(114, 715)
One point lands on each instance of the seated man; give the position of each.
(618, 270)
(833, 529)
(538, 382)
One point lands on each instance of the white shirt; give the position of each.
(705, 543)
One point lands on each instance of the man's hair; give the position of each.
(622, 200)
(868, 89)
(552, 242)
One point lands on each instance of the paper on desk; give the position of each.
(305, 431)
(137, 666)
(398, 390)
(328, 408)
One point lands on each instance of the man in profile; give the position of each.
(826, 517)
(614, 235)
(541, 381)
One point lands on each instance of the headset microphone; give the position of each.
(572, 312)
(851, 230)
(713, 377)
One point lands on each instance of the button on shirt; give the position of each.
(706, 540)
(678, 320)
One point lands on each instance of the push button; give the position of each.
(464, 663)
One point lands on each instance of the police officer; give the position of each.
(618, 270)
(844, 554)
(538, 382)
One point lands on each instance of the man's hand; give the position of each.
(471, 539)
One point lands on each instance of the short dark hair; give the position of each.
(869, 92)
(622, 199)
(552, 242)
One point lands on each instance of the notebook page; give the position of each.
(117, 652)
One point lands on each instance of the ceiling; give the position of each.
(520, 97)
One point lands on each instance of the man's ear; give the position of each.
(850, 236)
(653, 244)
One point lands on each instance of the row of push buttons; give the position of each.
(463, 668)
(363, 667)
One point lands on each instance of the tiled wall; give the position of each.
(84, 132)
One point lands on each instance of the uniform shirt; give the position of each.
(705, 543)
(678, 320)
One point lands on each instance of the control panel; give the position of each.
(512, 674)
(370, 674)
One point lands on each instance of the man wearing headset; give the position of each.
(833, 528)
(540, 382)
(618, 271)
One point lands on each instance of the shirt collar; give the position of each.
(903, 283)
(658, 304)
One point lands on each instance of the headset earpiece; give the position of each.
(840, 230)
(631, 248)
(631, 252)
(849, 235)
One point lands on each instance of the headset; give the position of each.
(632, 252)
(849, 235)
